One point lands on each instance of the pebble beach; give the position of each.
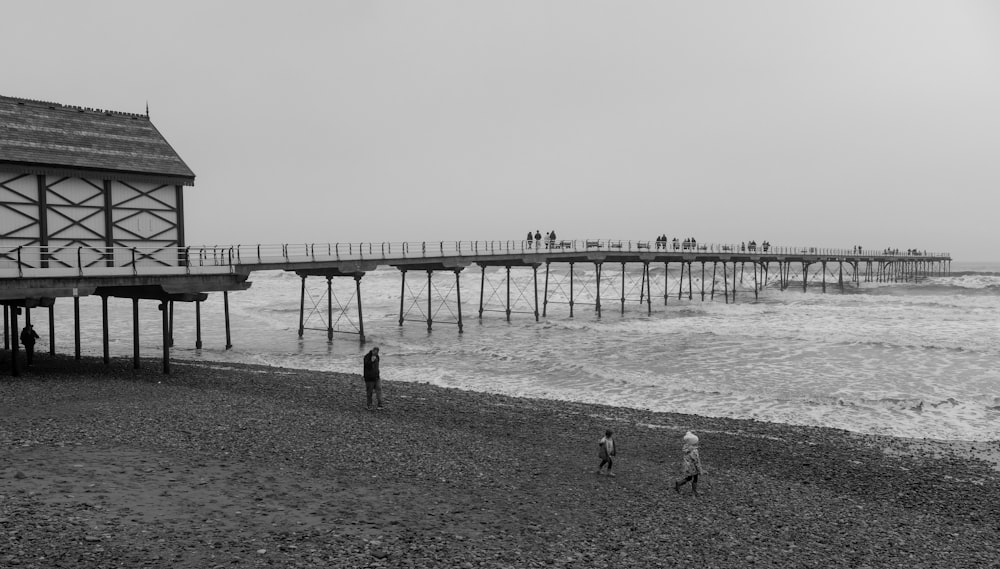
(233, 465)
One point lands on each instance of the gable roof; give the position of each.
(43, 138)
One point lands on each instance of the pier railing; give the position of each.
(50, 261)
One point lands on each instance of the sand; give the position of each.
(244, 466)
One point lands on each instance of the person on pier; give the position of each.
(538, 239)
(373, 380)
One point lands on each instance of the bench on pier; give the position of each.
(615, 244)
(644, 245)
(593, 244)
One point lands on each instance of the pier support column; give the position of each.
(329, 308)
(430, 285)
(534, 270)
(597, 297)
(623, 288)
(135, 333)
(171, 324)
(703, 281)
(680, 282)
(225, 305)
(666, 282)
(734, 282)
(402, 295)
(805, 276)
(482, 290)
(690, 288)
(545, 294)
(361, 319)
(841, 278)
(824, 275)
(715, 265)
(571, 289)
(725, 280)
(197, 324)
(6, 327)
(302, 308)
(649, 290)
(507, 307)
(458, 292)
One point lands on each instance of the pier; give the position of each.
(602, 275)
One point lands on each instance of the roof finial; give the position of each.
(147, 109)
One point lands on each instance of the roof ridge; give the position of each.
(50, 104)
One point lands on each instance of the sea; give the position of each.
(910, 359)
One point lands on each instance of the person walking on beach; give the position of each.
(373, 381)
(605, 451)
(691, 465)
(28, 337)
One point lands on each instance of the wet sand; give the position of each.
(244, 466)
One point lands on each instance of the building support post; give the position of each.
(52, 329)
(76, 327)
(165, 308)
(106, 336)
(14, 371)
(135, 333)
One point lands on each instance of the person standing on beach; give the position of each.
(28, 337)
(606, 450)
(691, 465)
(373, 380)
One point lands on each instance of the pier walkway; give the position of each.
(615, 272)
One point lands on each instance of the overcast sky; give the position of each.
(833, 123)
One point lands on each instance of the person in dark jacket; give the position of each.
(28, 337)
(373, 381)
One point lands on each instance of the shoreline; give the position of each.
(234, 461)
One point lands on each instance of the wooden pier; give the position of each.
(596, 273)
